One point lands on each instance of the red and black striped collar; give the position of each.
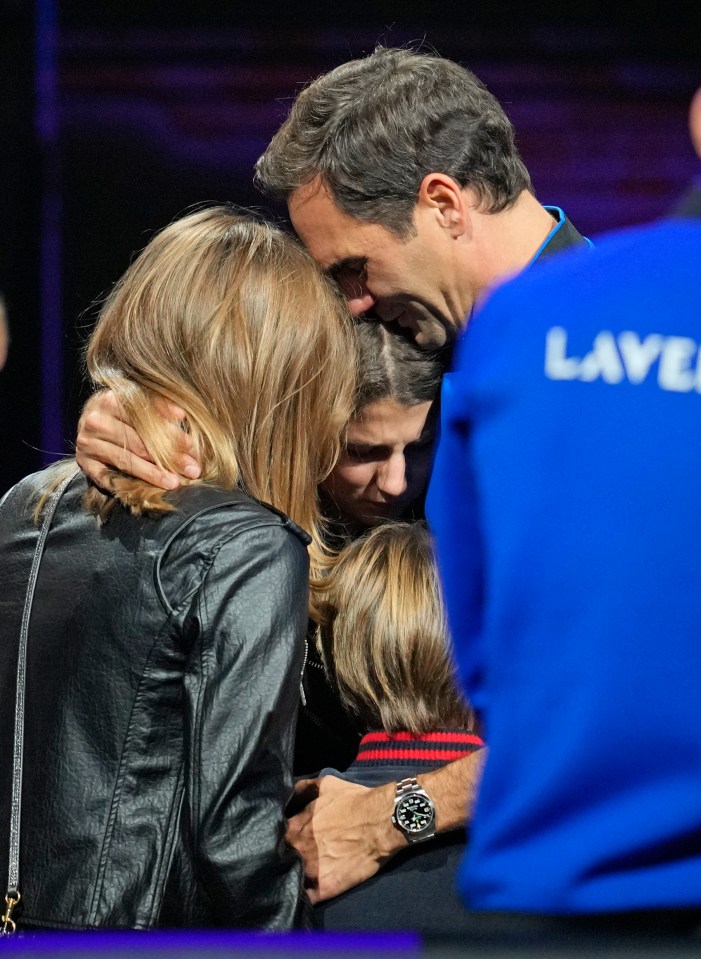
(383, 749)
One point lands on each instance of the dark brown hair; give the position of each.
(373, 128)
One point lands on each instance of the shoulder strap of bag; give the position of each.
(12, 896)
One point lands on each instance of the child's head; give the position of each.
(384, 635)
(386, 459)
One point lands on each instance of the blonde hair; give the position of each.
(232, 320)
(383, 633)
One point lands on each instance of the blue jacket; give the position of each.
(566, 501)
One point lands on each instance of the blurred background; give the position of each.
(117, 116)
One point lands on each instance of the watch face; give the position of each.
(414, 813)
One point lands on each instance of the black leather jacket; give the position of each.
(162, 682)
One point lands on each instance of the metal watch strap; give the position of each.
(12, 896)
(407, 785)
(404, 788)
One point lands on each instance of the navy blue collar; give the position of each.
(562, 236)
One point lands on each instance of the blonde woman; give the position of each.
(382, 473)
(384, 642)
(167, 631)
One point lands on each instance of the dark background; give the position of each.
(116, 117)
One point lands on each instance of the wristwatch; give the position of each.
(414, 813)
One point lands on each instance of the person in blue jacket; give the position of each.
(565, 501)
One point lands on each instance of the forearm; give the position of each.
(453, 789)
(347, 834)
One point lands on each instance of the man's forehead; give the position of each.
(310, 203)
(332, 236)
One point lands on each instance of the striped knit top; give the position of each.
(422, 750)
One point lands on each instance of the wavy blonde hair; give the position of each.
(383, 633)
(231, 319)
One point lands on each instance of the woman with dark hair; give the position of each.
(167, 629)
(383, 470)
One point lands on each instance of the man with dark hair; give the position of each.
(403, 180)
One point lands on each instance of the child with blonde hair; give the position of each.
(383, 640)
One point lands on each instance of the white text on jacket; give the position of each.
(615, 357)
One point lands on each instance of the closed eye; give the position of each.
(363, 454)
(349, 274)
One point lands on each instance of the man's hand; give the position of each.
(343, 835)
(107, 441)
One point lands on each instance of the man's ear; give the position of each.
(444, 196)
(695, 121)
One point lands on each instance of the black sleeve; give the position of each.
(241, 696)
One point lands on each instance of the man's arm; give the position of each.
(346, 834)
(453, 789)
(107, 441)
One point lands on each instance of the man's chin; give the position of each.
(432, 336)
(429, 333)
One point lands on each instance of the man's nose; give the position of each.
(361, 302)
(391, 476)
